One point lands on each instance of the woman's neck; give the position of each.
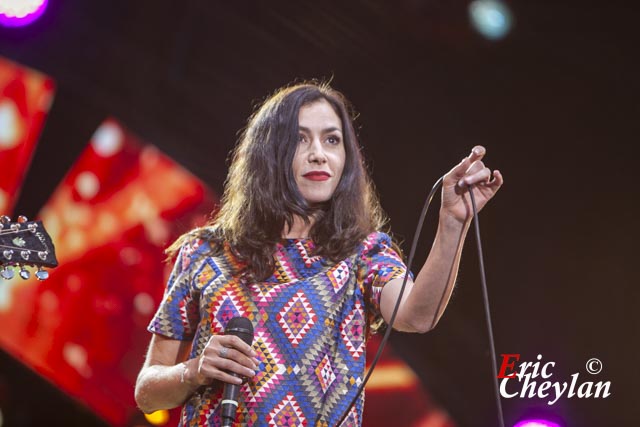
(299, 229)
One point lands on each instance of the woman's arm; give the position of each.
(424, 301)
(159, 384)
(167, 379)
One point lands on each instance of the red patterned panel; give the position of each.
(25, 98)
(111, 217)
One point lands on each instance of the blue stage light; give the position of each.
(491, 18)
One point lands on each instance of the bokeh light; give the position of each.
(158, 418)
(491, 18)
(18, 13)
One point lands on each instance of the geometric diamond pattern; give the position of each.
(227, 311)
(270, 370)
(338, 275)
(297, 317)
(264, 293)
(304, 254)
(209, 271)
(287, 413)
(225, 304)
(311, 319)
(284, 272)
(352, 419)
(352, 331)
(325, 373)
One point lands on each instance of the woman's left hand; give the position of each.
(456, 202)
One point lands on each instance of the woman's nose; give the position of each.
(316, 152)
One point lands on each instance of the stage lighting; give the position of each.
(536, 423)
(491, 18)
(158, 418)
(18, 13)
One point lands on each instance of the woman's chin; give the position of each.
(317, 198)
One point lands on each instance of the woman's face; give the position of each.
(320, 155)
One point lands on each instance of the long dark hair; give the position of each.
(261, 196)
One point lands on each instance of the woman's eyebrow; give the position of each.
(325, 130)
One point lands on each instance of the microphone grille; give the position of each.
(240, 327)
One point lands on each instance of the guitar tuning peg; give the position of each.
(22, 219)
(42, 274)
(24, 273)
(4, 220)
(7, 273)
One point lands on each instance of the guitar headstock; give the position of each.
(25, 243)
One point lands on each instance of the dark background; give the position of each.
(555, 103)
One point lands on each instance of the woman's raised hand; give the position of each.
(456, 202)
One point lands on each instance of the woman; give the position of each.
(297, 248)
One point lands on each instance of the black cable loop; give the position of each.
(487, 313)
(485, 295)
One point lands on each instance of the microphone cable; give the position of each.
(387, 334)
(487, 313)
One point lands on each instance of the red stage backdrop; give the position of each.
(111, 218)
(25, 99)
(395, 396)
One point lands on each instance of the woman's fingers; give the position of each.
(240, 359)
(476, 175)
(240, 351)
(462, 168)
(471, 171)
(497, 180)
(212, 372)
(477, 153)
(224, 355)
(232, 365)
(237, 343)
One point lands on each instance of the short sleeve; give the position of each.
(177, 316)
(379, 264)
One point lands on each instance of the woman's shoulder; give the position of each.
(204, 245)
(376, 238)
(193, 245)
(196, 240)
(378, 242)
(372, 243)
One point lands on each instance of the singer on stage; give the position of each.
(297, 248)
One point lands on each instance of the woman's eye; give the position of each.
(333, 140)
(301, 138)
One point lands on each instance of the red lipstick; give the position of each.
(317, 175)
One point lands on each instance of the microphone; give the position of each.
(243, 329)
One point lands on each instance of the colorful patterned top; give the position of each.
(311, 322)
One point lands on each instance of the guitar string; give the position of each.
(23, 230)
(20, 249)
